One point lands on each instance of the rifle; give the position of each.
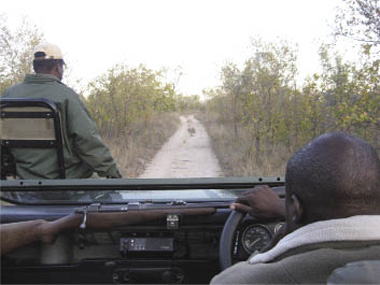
(98, 216)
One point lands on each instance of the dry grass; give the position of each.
(236, 156)
(134, 151)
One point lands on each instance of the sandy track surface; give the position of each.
(187, 153)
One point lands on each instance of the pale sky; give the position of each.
(198, 35)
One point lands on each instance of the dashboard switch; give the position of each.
(172, 221)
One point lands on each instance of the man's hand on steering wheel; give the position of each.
(260, 202)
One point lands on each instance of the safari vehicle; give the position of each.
(137, 234)
(265, 106)
(117, 230)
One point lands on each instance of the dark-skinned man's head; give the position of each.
(334, 176)
(48, 59)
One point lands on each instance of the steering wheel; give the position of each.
(226, 239)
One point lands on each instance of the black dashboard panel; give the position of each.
(162, 255)
(152, 252)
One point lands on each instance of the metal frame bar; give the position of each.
(29, 102)
(139, 184)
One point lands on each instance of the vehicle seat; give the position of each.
(29, 123)
(359, 272)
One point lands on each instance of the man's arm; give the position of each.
(87, 141)
(16, 235)
(261, 202)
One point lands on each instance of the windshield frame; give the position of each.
(141, 184)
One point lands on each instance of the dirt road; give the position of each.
(187, 153)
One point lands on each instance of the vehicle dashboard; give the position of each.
(171, 250)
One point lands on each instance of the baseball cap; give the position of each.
(47, 51)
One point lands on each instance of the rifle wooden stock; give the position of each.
(101, 220)
(16, 235)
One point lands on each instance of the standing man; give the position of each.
(84, 151)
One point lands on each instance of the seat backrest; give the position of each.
(357, 272)
(30, 123)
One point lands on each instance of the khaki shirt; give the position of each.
(84, 151)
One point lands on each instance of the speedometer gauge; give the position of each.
(255, 237)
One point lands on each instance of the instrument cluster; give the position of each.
(252, 237)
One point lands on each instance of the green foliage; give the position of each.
(189, 103)
(126, 97)
(265, 111)
(255, 97)
(360, 19)
(16, 51)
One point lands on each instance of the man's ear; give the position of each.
(57, 71)
(296, 210)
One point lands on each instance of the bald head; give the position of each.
(334, 176)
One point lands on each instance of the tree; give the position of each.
(360, 20)
(16, 51)
(257, 100)
(125, 96)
